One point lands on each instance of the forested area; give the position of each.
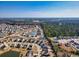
(52, 30)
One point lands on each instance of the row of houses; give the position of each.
(73, 41)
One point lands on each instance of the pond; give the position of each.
(10, 54)
(33, 33)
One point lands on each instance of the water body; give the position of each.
(10, 54)
(33, 33)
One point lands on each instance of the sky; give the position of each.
(39, 9)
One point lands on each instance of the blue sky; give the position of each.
(39, 9)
